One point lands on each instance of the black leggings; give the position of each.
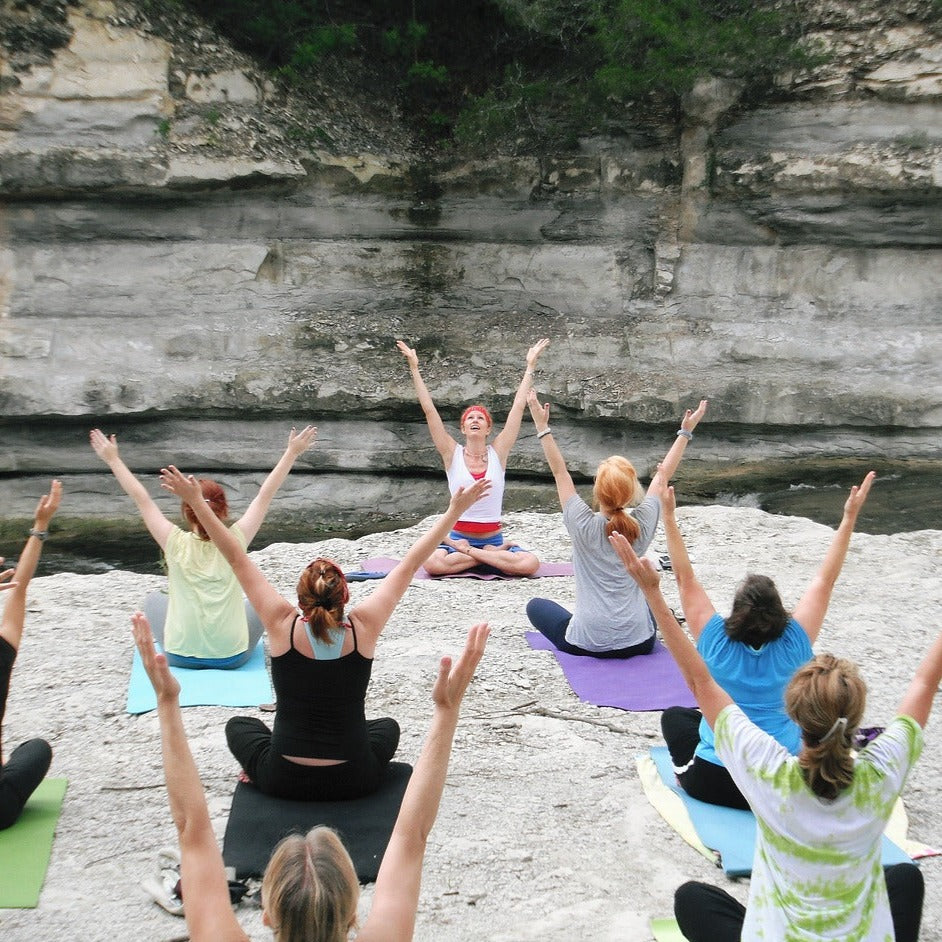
(700, 779)
(706, 913)
(552, 620)
(250, 742)
(28, 763)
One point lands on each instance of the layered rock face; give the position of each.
(185, 260)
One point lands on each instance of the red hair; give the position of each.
(322, 594)
(616, 487)
(215, 496)
(477, 408)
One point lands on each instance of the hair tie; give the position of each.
(841, 722)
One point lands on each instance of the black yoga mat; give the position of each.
(257, 822)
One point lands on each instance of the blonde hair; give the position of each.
(310, 889)
(617, 487)
(826, 698)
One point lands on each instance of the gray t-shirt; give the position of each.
(611, 612)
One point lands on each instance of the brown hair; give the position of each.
(616, 487)
(322, 594)
(826, 698)
(310, 889)
(758, 615)
(215, 496)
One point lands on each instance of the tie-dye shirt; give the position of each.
(817, 873)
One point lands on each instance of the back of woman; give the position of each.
(611, 612)
(206, 615)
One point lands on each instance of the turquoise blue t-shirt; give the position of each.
(755, 678)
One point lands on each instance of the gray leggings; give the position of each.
(155, 608)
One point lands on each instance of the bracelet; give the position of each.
(39, 534)
(546, 431)
(684, 433)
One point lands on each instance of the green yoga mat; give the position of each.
(667, 930)
(26, 846)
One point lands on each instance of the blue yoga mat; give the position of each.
(732, 832)
(646, 682)
(245, 686)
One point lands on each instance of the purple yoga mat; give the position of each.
(386, 563)
(647, 682)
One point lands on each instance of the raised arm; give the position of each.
(14, 613)
(813, 605)
(209, 915)
(106, 447)
(373, 612)
(710, 696)
(508, 434)
(924, 686)
(668, 467)
(698, 609)
(254, 516)
(396, 898)
(272, 608)
(443, 442)
(554, 457)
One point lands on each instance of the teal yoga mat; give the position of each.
(26, 846)
(246, 686)
(732, 832)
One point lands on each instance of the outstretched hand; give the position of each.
(299, 442)
(539, 413)
(858, 495)
(464, 497)
(668, 500)
(452, 679)
(641, 569)
(692, 417)
(105, 446)
(533, 354)
(165, 685)
(48, 505)
(185, 486)
(408, 352)
(5, 578)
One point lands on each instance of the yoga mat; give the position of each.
(646, 682)
(258, 822)
(26, 846)
(731, 832)
(380, 565)
(245, 686)
(667, 930)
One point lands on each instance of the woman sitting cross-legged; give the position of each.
(321, 748)
(611, 619)
(309, 890)
(203, 620)
(28, 764)
(752, 653)
(816, 873)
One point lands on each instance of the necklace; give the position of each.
(471, 454)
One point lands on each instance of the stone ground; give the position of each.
(544, 832)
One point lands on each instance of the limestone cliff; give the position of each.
(193, 259)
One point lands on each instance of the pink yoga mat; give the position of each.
(647, 682)
(386, 564)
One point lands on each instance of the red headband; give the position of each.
(477, 408)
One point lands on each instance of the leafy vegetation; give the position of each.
(520, 74)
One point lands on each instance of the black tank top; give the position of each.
(321, 712)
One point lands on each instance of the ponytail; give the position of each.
(322, 595)
(826, 698)
(616, 487)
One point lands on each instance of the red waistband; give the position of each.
(475, 528)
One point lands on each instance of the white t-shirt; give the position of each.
(817, 873)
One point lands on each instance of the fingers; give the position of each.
(5, 577)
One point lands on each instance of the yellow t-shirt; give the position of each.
(205, 610)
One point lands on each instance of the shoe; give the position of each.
(164, 887)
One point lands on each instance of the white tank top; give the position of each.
(487, 509)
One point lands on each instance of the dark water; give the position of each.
(902, 500)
